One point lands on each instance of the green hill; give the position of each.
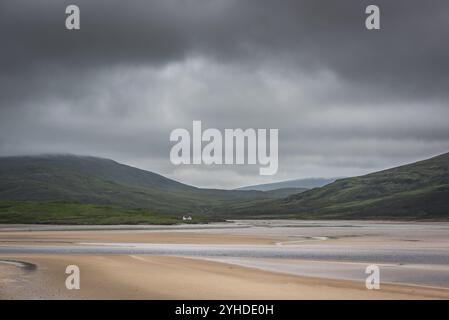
(88, 190)
(415, 191)
(33, 186)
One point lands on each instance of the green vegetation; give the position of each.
(103, 182)
(88, 190)
(415, 191)
(73, 213)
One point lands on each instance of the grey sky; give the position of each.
(346, 100)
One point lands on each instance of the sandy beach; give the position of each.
(268, 261)
(143, 277)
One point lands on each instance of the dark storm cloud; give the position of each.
(409, 53)
(346, 100)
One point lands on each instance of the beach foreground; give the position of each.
(155, 277)
(241, 260)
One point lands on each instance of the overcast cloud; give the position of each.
(346, 101)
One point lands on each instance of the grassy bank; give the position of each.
(75, 213)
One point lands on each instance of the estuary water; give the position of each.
(407, 252)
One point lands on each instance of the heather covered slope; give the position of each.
(102, 182)
(74, 189)
(415, 191)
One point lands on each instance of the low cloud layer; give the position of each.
(346, 100)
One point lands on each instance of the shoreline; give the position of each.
(241, 259)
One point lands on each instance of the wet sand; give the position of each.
(153, 277)
(74, 237)
(242, 260)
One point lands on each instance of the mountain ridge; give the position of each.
(86, 189)
(101, 181)
(419, 189)
(307, 183)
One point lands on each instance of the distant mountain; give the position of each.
(91, 180)
(298, 183)
(415, 191)
(283, 192)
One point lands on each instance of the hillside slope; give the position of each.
(74, 189)
(415, 191)
(90, 180)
